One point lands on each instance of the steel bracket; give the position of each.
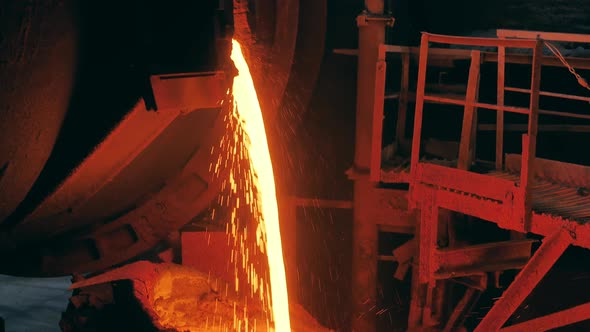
(365, 18)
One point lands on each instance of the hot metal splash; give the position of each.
(257, 256)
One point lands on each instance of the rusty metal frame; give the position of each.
(521, 195)
(502, 42)
(490, 257)
(504, 202)
(375, 173)
(472, 183)
(499, 213)
(559, 236)
(543, 259)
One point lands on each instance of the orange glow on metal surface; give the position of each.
(262, 194)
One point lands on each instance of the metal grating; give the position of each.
(555, 199)
(397, 169)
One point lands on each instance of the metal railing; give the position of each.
(404, 96)
(520, 193)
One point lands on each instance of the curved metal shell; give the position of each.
(37, 69)
(148, 178)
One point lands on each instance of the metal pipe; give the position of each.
(364, 257)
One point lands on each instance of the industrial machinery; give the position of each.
(95, 97)
(110, 111)
(110, 115)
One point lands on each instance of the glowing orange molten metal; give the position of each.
(247, 103)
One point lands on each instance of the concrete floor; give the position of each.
(33, 304)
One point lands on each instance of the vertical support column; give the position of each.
(402, 109)
(378, 115)
(500, 113)
(529, 147)
(364, 253)
(416, 141)
(422, 281)
(468, 131)
(500, 119)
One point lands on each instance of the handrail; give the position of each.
(481, 42)
(553, 36)
(512, 109)
(549, 94)
(522, 197)
(500, 55)
(459, 102)
(465, 54)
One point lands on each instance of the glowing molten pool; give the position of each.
(246, 103)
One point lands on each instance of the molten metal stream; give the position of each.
(247, 103)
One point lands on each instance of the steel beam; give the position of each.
(467, 182)
(422, 282)
(406, 251)
(547, 254)
(488, 257)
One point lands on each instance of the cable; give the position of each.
(572, 70)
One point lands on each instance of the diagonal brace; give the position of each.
(548, 253)
(554, 320)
